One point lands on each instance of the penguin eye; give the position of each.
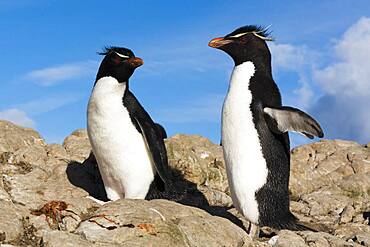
(117, 60)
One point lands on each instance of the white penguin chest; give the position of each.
(245, 164)
(119, 148)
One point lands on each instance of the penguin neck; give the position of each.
(261, 64)
(241, 76)
(110, 86)
(261, 58)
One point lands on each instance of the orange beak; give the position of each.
(135, 62)
(218, 42)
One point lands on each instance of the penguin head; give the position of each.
(119, 63)
(246, 43)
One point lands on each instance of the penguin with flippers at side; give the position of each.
(254, 132)
(127, 144)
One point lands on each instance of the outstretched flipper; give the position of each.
(283, 119)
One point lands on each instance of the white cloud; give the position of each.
(53, 75)
(346, 86)
(50, 103)
(190, 57)
(17, 116)
(290, 57)
(205, 109)
(304, 95)
(20, 114)
(344, 82)
(350, 75)
(298, 59)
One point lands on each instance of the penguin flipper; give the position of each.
(285, 118)
(161, 131)
(162, 186)
(155, 146)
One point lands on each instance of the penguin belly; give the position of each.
(245, 165)
(123, 158)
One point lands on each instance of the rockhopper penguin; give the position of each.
(254, 132)
(127, 144)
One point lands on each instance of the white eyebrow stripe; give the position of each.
(124, 56)
(238, 35)
(261, 37)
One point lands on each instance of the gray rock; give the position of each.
(363, 239)
(347, 214)
(14, 137)
(57, 151)
(326, 163)
(323, 239)
(289, 239)
(11, 226)
(4, 196)
(329, 188)
(353, 231)
(160, 223)
(65, 239)
(77, 145)
(199, 160)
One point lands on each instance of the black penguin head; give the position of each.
(119, 63)
(246, 43)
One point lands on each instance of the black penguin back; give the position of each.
(273, 197)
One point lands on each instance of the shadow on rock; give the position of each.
(86, 175)
(195, 198)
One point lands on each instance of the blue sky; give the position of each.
(49, 61)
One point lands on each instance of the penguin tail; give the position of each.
(165, 191)
(292, 223)
(299, 226)
(174, 194)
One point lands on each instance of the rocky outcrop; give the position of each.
(46, 189)
(159, 223)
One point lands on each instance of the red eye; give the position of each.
(117, 60)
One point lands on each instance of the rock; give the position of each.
(317, 240)
(330, 180)
(363, 239)
(14, 137)
(353, 231)
(199, 160)
(356, 185)
(21, 149)
(326, 163)
(57, 151)
(11, 226)
(322, 239)
(347, 214)
(329, 189)
(159, 223)
(27, 189)
(4, 196)
(78, 145)
(288, 239)
(62, 239)
(65, 239)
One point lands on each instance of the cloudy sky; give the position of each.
(49, 61)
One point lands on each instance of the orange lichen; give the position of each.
(52, 210)
(149, 228)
